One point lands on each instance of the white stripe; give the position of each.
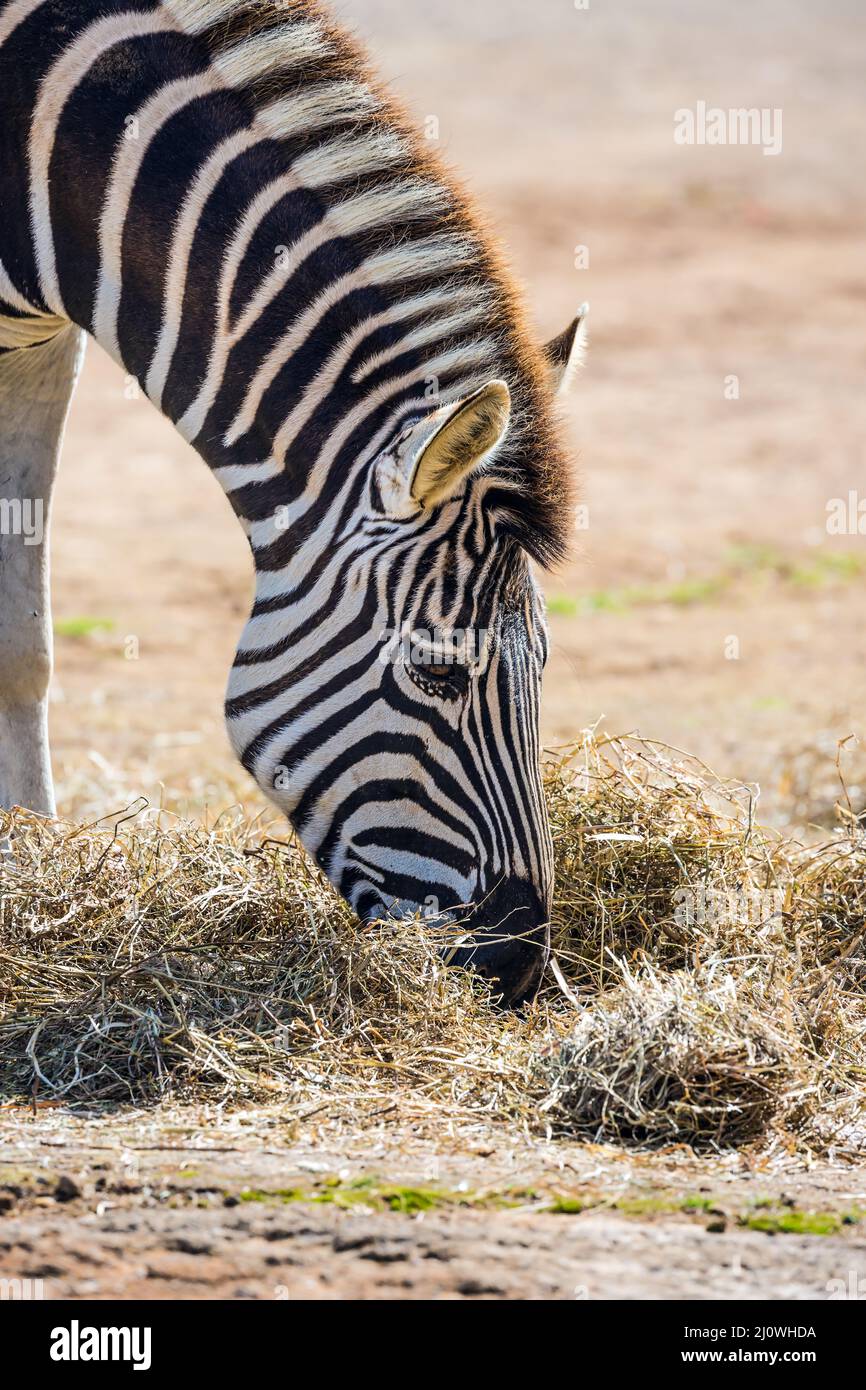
(150, 118)
(283, 117)
(355, 213)
(407, 199)
(326, 378)
(463, 358)
(386, 267)
(271, 51)
(55, 90)
(325, 103)
(196, 412)
(205, 181)
(272, 584)
(237, 475)
(403, 812)
(351, 156)
(434, 330)
(14, 14)
(194, 16)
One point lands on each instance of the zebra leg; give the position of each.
(36, 385)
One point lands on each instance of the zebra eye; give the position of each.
(448, 682)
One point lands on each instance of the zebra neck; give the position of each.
(221, 194)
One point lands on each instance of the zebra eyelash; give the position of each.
(445, 688)
(446, 681)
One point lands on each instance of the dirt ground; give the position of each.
(707, 606)
(197, 1205)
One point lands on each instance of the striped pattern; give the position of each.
(227, 200)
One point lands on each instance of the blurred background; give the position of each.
(721, 411)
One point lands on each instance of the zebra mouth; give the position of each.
(505, 939)
(513, 965)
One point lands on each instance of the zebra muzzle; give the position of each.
(507, 942)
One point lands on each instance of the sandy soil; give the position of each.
(709, 512)
(177, 1207)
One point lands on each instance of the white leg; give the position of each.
(35, 390)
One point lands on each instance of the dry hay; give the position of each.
(679, 1058)
(708, 985)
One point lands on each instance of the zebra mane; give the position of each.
(289, 52)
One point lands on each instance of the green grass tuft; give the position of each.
(82, 627)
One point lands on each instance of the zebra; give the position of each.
(228, 200)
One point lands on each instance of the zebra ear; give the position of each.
(460, 443)
(566, 353)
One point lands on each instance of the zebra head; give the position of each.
(399, 726)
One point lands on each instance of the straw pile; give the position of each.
(680, 1058)
(709, 985)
